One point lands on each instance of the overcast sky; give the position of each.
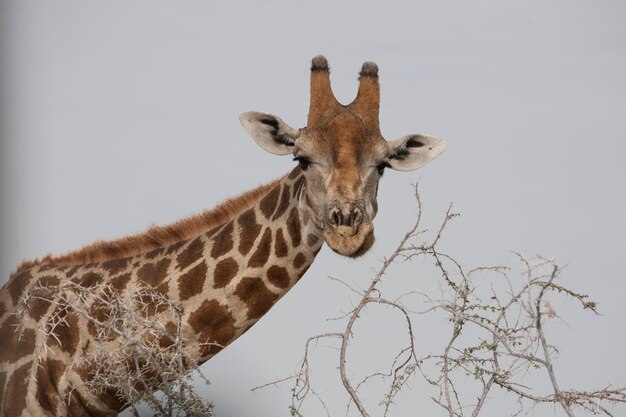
(117, 115)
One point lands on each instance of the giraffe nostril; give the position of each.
(351, 217)
(335, 218)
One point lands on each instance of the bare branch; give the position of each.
(501, 320)
(135, 355)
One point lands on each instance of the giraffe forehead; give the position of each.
(347, 141)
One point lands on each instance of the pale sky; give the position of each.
(117, 115)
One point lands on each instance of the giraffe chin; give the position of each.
(345, 242)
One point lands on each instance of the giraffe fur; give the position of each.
(224, 269)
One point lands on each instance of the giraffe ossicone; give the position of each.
(224, 268)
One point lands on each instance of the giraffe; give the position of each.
(226, 267)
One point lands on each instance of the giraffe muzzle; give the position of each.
(347, 232)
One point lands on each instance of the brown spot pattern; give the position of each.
(14, 345)
(298, 261)
(100, 311)
(214, 324)
(293, 227)
(3, 379)
(223, 241)
(15, 395)
(192, 253)
(262, 253)
(78, 406)
(110, 398)
(17, 284)
(225, 271)
(89, 280)
(174, 247)
(42, 295)
(66, 332)
(191, 283)
(278, 276)
(164, 288)
(153, 274)
(48, 375)
(120, 282)
(250, 229)
(311, 240)
(154, 253)
(151, 303)
(115, 266)
(269, 202)
(284, 202)
(86, 369)
(168, 339)
(73, 270)
(258, 298)
(280, 245)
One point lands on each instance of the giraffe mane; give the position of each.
(156, 236)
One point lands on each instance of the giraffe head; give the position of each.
(342, 155)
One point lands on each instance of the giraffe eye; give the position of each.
(304, 162)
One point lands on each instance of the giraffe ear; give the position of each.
(414, 151)
(270, 132)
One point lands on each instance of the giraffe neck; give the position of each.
(223, 280)
(248, 264)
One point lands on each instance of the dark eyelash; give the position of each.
(381, 167)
